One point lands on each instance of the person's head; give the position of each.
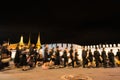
(46, 45)
(57, 47)
(33, 45)
(96, 48)
(111, 50)
(66, 48)
(103, 49)
(118, 49)
(76, 50)
(71, 47)
(83, 48)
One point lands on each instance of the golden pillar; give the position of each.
(38, 44)
(21, 43)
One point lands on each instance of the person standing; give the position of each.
(24, 59)
(65, 57)
(46, 54)
(111, 58)
(17, 57)
(76, 57)
(97, 57)
(84, 57)
(118, 57)
(5, 53)
(90, 57)
(57, 56)
(71, 55)
(104, 58)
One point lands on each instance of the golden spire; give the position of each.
(38, 44)
(21, 43)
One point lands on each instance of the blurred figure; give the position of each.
(24, 59)
(76, 57)
(104, 58)
(84, 57)
(71, 55)
(97, 57)
(111, 58)
(90, 57)
(46, 54)
(57, 56)
(118, 57)
(65, 57)
(5, 54)
(17, 57)
(118, 54)
(40, 57)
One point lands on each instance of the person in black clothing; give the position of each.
(84, 57)
(1, 64)
(51, 55)
(65, 57)
(97, 57)
(57, 56)
(118, 57)
(32, 49)
(104, 58)
(33, 56)
(5, 53)
(17, 57)
(46, 54)
(36, 55)
(111, 58)
(71, 56)
(76, 57)
(24, 59)
(90, 57)
(118, 54)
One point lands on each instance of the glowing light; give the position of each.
(114, 45)
(106, 45)
(103, 45)
(110, 45)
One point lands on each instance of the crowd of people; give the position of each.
(29, 58)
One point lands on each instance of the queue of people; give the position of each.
(102, 58)
(29, 58)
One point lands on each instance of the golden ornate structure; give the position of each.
(13, 46)
(38, 44)
(21, 43)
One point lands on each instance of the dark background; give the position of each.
(84, 22)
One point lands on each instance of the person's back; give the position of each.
(96, 54)
(84, 54)
(97, 57)
(90, 56)
(110, 55)
(118, 54)
(104, 57)
(84, 57)
(111, 58)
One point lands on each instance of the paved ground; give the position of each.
(56, 74)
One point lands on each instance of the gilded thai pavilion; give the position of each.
(21, 43)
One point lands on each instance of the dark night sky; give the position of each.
(81, 22)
